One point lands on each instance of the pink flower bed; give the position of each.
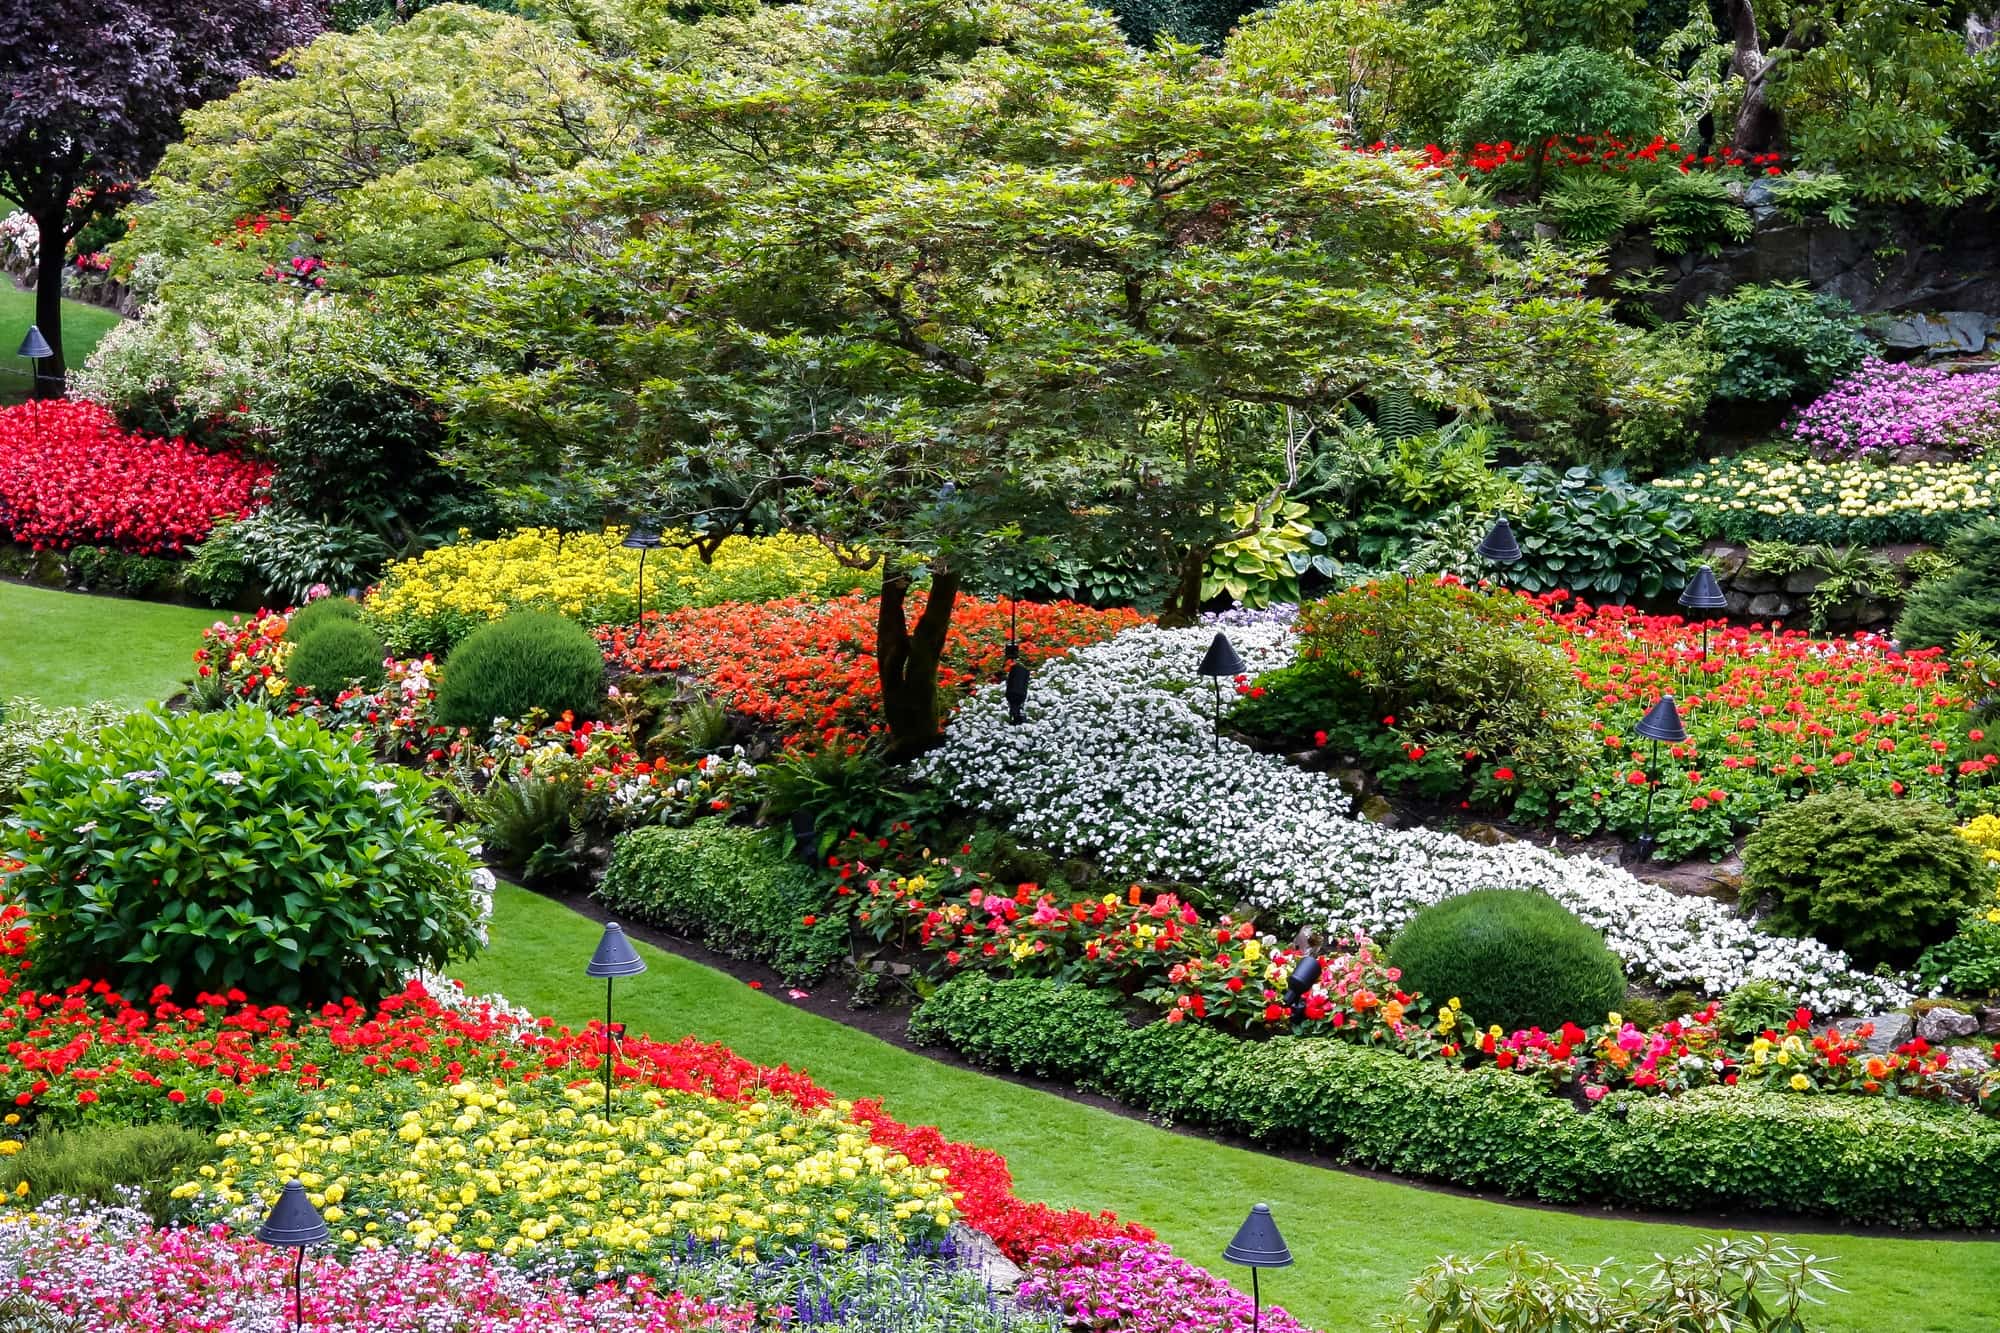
(1129, 1286)
(113, 1274)
(1882, 408)
(70, 477)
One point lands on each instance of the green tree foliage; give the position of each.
(897, 292)
(1877, 877)
(1561, 94)
(1964, 601)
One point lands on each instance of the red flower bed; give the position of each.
(808, 668)
(86, 1054)
(70, 477)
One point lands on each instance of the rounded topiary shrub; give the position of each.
(1512, 957)
(235, 849)
(337, 654)
(529, 660)
(322, 612)
(1879, 878)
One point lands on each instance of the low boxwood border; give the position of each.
(1860, 1160)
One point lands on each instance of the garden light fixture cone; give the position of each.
(1661, 723)
(34, 347)
(1016, 691)
(293, 1224)
(1304, 977)
(1258, 1246)
(1703, 593)
(1220, 660)
(1499, 545)
(642, 540)
(615, 957)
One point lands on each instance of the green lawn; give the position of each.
(83, 325)
(66, 648)
(1358, 1241)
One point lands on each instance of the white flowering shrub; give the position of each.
(1118, 759)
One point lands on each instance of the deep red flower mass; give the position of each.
(70, 477)
(808, 667)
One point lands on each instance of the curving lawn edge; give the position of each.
(1358, 1240)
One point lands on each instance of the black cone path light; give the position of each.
(294, 1224)
(1499, 545)
(1661, 723)
(1220, 660)
(642, 540)
(1016, 687)
(615, 957)
(1258, 1246)
(1703, 593)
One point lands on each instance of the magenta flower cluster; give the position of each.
(1140, 1287)
(116, 1272)
(1883, 408)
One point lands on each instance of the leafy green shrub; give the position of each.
(319, 612)
(1591, 208)
(1781, 343)
(289, 553)
(1451, 664)
(1879, 878)
(25, 726)
(1512, 957)
(1860, 1159)
(237, 849)
(103, 1163)
(1693, 210)
(1022, 1024)
(1964, 601)
(1559, 95)
(1745, 1284)
(529, 819)
(1760, 1005)
(733, 887)
(1598, 535)
(525, 661)
(334, 656)
(1968, 963)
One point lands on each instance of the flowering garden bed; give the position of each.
(70, 477)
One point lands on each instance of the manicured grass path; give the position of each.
(1358, 1241)
(83, 325)
(67, 648)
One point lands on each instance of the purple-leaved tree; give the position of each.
(91, 93)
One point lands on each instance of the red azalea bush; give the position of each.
(70, 477)
(807, 668)
(1605, 152)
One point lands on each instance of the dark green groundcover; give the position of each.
(1721, 1150)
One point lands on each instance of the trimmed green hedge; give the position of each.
(733, 888)
(1718, 1149)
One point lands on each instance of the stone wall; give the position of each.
(1893, 261)
(1783, 597)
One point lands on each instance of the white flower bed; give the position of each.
(1117, 759)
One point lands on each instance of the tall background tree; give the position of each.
(91, 94)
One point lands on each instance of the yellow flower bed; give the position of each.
(429, 602)
(523, 1171)
(1983, 832)
(1837, 500)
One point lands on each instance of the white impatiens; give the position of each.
(1118, 758)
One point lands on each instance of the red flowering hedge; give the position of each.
(86, 1054)
(808, 668)
(70, 477)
